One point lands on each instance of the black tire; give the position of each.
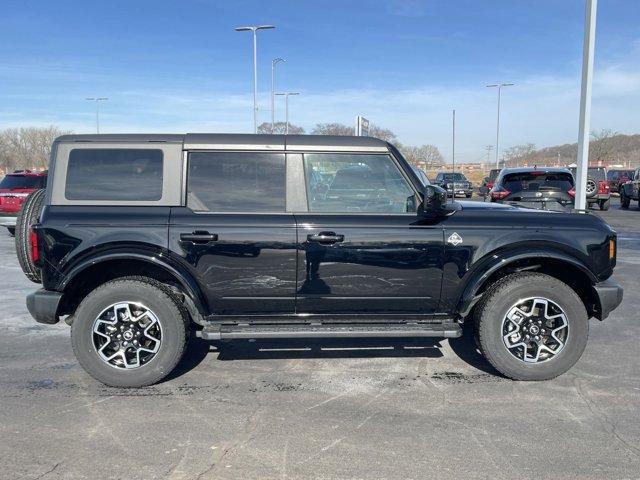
(171, 314)
(469, 195)
(605, 204)
(12, 231)
(624, 200)
(30, 214)
(496, 302)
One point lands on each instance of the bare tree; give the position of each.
(602, 146)
(280, 128)
(332, 129)
(424, 156)
(27, 147)
(519, 154)
(383, 134)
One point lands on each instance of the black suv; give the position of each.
(145, 238)
(456, 184)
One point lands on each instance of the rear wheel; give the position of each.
(605, 204)
(30, 214)
(12, 231)
(531, 326)
(624, 200)
(130, 332)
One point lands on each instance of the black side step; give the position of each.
(228, 332)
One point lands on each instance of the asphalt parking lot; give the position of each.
(327, 410)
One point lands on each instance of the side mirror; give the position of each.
(434, 200)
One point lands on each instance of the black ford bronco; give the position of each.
(143, 239)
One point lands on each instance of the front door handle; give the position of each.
(325, 237)
(199, 237)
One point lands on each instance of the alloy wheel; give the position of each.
(535, 330)
(127, 335)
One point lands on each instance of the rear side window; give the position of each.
(114, 174)
(236, 182)
(538, 181)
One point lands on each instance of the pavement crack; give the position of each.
(608, 424)
(42, 475)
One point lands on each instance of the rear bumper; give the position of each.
(609, 295)
(599, 197)
(8, 219)
(43, 305)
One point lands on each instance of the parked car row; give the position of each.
(14, 189)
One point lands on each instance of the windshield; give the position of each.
(538, 181)
(455, 177)
(23, 181)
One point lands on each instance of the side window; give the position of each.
(236, 182)
(114, 174)
(356, 183)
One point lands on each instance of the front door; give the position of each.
(234, 233)
(362, 247)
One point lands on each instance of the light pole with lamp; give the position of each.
(97, 100)
(286, 96)
(254, 30)
(499, 85)
(274, 62)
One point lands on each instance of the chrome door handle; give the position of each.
(325, 237)
(199, 237)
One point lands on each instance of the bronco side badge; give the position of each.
(454, 239)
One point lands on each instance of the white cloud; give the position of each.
(540, 109)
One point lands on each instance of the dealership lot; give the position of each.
(323, 409)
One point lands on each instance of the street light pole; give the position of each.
(585, 104)
(274, 62)
(97, 100)
(286, 96)
(499, 85)
(254, 31)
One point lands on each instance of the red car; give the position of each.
(14, 189)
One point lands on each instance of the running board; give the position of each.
(230, 332)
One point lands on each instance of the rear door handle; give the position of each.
(199, 237)
(325, 237)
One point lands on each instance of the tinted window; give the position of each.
(537, 181)
(455, 177)
(597, 173)
(23, 181)
(344, 183)
(114, 174)
(236, 182)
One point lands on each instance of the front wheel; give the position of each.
(531, 326)
(129, 332)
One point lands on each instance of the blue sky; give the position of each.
(179, 66)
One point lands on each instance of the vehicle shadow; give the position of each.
(465, 348)
(286, 349)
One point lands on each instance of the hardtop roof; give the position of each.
(239, 141)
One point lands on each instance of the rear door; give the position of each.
(234, 234)
(362, 248)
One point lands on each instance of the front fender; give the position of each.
(491, 263)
